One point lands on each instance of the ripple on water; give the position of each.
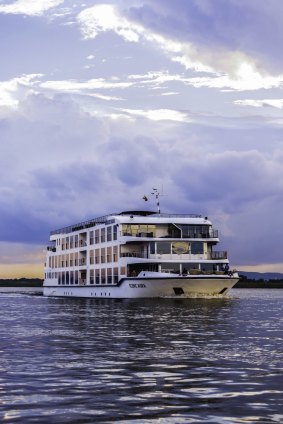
(142, 361)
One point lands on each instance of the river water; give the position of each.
(141, 361)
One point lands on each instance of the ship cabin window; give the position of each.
(138, 230)
(103, 279)
(109, 275)
(97, 256)
(170, 268)
(163, 247)
(102, 236)
(109, 233)
(196, 247)
(109, 254)
(91, 276)
(97, 276)
(102, 257)
(115, 253)
(194, 231)
(91, 257)
(115, 275)
(91, 237)
(152, 248)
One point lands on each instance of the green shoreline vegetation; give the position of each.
(244, 283)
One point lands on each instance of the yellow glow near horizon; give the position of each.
(21, 271)
(261, 268)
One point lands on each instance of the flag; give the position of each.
(145, 198)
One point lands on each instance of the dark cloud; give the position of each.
(253, 27)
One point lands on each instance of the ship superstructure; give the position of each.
(137, 254)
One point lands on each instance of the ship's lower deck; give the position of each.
(148, 285)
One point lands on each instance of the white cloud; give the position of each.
(73, 86)
(230, 70)
(13, 90)
(105, 17)
(29, 7)
(159, 114)
(277, 103)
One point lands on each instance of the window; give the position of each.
(163, 247)
(97, 256)
(196, 247)
(115, 253)
(115, 275)
(91, 276)
(96, 236)
(103, 279)
(97, 276)
(109, 254)
(109, 275)
(91, 237)
(115, 232)
(91, 257)
(109, 233)
(102, 255)
(102, 236)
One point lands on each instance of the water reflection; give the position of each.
(98, 360)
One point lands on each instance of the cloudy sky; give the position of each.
(101, 101)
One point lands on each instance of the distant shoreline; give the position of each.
(21, 282)
(244, 283)
(259, 284)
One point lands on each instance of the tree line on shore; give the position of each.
(21, 282)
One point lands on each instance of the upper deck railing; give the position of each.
(82, 225)
(103, 219)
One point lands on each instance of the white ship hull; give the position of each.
(150, 285)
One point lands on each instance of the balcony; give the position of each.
(189, 235)
(218, 255)
(174, 256)
(51, 248)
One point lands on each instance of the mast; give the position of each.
(156, 194)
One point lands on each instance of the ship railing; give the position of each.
(83, 225)
(51, 248)
(218, 255)
(189, 235)
(133, 255)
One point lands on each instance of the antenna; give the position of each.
(156, 194)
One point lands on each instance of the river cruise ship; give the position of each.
(137, 254)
